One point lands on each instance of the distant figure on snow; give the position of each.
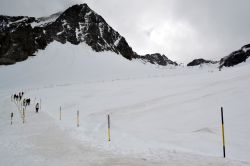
(20, 97)
(28, 101)
(37, 107)
(24, 102)
(15, 97)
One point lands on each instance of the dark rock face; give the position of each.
(236, 57)
(16, 39)
(21, 37)
(158, 59)
(200, 61)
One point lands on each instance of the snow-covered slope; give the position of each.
(67, 63)
(43, 21)
(159, 115)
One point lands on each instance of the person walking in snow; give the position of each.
(27, 101)
(20, 97)
(24, 103)
(37, 107)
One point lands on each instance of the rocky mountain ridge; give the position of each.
(201, 61)
(236, 57)
(22, 36)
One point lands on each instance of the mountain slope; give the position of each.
(157, 114)
(61, 63)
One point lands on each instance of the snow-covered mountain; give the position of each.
(22, 37)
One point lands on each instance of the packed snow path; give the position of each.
(39, 141)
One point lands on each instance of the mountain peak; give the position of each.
(77, 11)
(76, 24)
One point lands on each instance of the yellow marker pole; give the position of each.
(223, 134)
(11, 117)
(78, 119)
(23, 116)
(60, 113)
(109, 128)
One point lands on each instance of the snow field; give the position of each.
(159, 115)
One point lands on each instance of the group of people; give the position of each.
(26, 101)
(18, 96)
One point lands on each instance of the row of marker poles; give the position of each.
(78, 121)
(223, 132)
(77, 117)
(23, 111)
(109, 135)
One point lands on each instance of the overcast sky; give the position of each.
(181, 29)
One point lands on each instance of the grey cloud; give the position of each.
(181, 29)
(37, 8)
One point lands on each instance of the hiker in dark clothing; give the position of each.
(37, 107)
(28, 101)
(15, 97)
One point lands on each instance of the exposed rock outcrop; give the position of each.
(158, 59)
(236, 57)
(200, 61)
